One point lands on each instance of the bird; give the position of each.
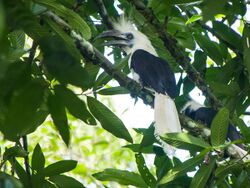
(152, 72)
(205, 115)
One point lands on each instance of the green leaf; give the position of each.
(61, 64)
(68, 40)
(21, 173)
(220, 89)
(58, 114)
(148, 136)
(17, 39)
(14, 151)
(21, 114)
(185, 141)
(194, 18)
(108, 119)
(210, 47)
(59, 167)
(8, 181)
(183, 168)
(224, 170)
(219, 127)
(113, 91)
(144, 171)
(246, 47)
(202, 175)
(76, 106)
(123, 177)
(73, 19)
(162, 163)
(2, 19)
(138, 148)
(228, 34)
(65, 181)
(38, 159)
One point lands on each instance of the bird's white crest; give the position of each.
(192, 105)
(140, 41)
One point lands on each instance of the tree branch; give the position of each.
(88, 51)
(26, 158)
(177, 52)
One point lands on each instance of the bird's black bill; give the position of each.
(119, 39)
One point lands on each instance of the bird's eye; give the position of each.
(129, 36)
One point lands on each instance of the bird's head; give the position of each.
(127, 37)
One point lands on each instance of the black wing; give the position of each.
(154, 72)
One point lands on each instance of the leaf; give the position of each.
(14, 151)
(138, 148)
(162, 163)
(148, 136)
(17, 39)
(61, 64)
(8, 181)
(183, 168)
(21, 173)
(68, 40)
(73, 19)
(76, 106)
(246, 47)
(2, 19)
(194, 18)
(202, 175)
(65, 181)
(228, 34)
(108, 119)
(123, 177)
(113, 91)
(59, 167)
(224, 170)
(219, 127)
(38, 159)
(144, 171)
(220, 89)
(20, 117)
(185, 141)
(58, 114)
(210, 47)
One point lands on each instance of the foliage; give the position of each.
(45, 78)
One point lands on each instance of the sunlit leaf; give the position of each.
(123, 177)
(185, 141)
(38, 159)
(219, 127)
(65, 181)
(59, 167)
